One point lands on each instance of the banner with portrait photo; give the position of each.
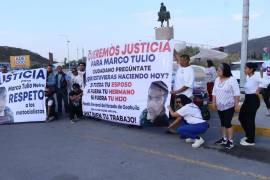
(129, 83)
(22, 96)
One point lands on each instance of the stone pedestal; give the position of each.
(164, 33)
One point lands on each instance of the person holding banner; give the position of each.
(155, 113)
(75, 101)
(50, 105)
(189, 123)
(6, 115)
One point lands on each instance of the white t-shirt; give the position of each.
(76, 79)
(50, 102)
(81, 73)
(225, 92)
(253, 83)
(266, 67)
(191, 113)
(184, 77)
(210, 74)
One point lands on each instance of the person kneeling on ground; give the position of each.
(75, 100)
(50, 105)
(189, 122)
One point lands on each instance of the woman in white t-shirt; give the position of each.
(251, 104)
(210, 75)
(189, 122)
(226, 96)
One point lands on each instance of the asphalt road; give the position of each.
(100, 150)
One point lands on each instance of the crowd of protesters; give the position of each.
(64, 92)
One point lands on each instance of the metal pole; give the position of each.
(77, 54)
(82, 53)
(245, 30)
(68, 54)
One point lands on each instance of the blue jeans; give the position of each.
(192, 130)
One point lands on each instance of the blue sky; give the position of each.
(40, 25)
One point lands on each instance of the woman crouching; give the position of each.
(189, 123)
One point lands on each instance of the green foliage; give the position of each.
(191, 51)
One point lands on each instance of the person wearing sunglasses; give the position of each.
(50, 105)
(76, 78)
(189, 123)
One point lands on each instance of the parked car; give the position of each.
(236, 66)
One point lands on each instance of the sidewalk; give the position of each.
(262, 122)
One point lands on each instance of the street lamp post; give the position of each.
(244, 41)
(68, 53)
(68, 42)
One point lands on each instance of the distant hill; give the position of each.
(255, 47)
(36, 59)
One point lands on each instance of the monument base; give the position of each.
(164, 33)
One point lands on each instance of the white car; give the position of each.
(236, 66)
(199, 72)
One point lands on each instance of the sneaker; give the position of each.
(222, 141)
(189, 140)
(245, 143)
(72, 121)
(197, 143)
(243, 139)
(229, 144)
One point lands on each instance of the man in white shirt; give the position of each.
(266, 89)
(82, 72)
(76, 78)
(184, 80)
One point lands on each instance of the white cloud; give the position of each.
(237, 17)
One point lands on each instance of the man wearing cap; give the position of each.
(155, 113)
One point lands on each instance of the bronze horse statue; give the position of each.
(163, 15)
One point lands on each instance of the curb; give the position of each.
(259, 130)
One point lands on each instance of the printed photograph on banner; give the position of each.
(22, 96)
(155, 113)
(6, 114)
(129, 83)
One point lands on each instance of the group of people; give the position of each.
(68, 90)
(224, 95)
(186, 117)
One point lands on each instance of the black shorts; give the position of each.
(226, 117)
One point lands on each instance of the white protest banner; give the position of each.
(22, 96)
(129, 83)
